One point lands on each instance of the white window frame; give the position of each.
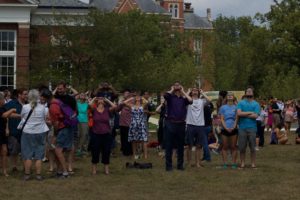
(174, 10)
(11, 53)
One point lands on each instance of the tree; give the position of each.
(132, 50)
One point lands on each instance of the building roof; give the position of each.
(149, 6)
(193, 21)
(63, 4)
(105, 5)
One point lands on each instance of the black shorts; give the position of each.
(195, 135)
(227, 134)
(3, 138)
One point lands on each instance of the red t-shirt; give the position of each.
(56, 115)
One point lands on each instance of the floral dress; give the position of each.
(138, 126)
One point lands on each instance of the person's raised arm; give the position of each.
(186, 95)
(158, 109)
(92, 102)
(54, 91)
(112, 105)
(204, 95)
(171, 90)
(127, 102)
(74, 92)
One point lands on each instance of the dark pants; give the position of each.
(260, 133)
(174, 136)
(101, 143)
(160, 133)
(126, 147)
(206, 152)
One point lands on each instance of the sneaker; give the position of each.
(256, 149)
(215, 152)
(26, 177)
(234, 166)
(136, 157)
(225, 166)
(39, 178)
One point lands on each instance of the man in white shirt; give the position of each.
(195, 124)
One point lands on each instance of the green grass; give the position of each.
(277, 177)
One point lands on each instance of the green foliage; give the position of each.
(131, 50)
(263, 53)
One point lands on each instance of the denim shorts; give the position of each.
(195, 135)
(33, 146)
(65, 138)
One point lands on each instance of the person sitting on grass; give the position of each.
(281, 135)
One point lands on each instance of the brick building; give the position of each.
(18, 17)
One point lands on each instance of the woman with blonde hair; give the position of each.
(138, 132)
(34, 130)
(229, 119)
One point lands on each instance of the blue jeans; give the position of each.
(174, 137)
(206, 152)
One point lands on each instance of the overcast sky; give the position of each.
(231, 7)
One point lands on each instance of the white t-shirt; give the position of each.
(195, 113)
(37, 121)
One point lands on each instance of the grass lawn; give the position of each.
(277, 177)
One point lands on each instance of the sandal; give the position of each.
(71, 172)
(241, 167)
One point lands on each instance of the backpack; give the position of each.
(70, 116)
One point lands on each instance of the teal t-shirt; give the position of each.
(82, 112)
(248, 106)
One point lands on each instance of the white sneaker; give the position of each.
(256, 149)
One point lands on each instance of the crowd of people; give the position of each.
(42, 125)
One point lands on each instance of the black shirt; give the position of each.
(3, 121)
(208, 109)
(275, 107)
(298, 111)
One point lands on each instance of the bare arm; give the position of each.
(205, 96)
(186, 95)
(75, 92)
(127, 102)
(158, 109)
(9, 113)
(243, 114)
(171, 91)
(54, 91)
(223, 123)
(112, 105)
(91, 103)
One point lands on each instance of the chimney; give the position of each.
(188, 8)
(208, 11)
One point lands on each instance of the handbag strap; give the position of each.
(29, 114)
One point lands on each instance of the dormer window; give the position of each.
(174, 9)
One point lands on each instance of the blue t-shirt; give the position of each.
(229, 114)
(248, 106)
(14, 122)
(82, 109)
